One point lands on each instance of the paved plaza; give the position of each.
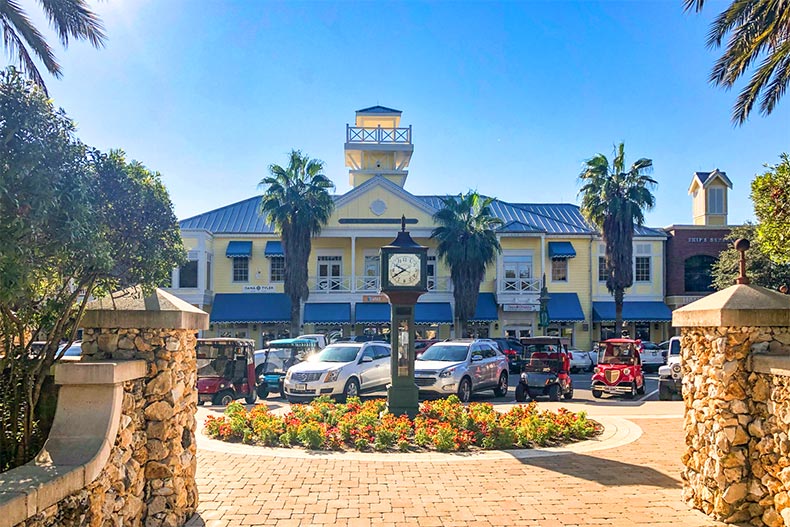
(629, 477)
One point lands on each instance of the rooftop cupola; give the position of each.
(377, 145)
(709, 197)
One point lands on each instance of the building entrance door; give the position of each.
(330, 273)
(517, 332)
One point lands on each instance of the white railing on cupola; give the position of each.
(378, 135)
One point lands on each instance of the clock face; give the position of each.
(404, 270)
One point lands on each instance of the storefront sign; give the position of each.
(520, 307)
(259, 289)
(375, 298)
(706, 240)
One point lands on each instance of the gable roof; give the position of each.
(379, 109)
(381, 181)
(704, 179)
(240, 217)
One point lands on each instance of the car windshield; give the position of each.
(543, 362)
(75, 350)
(278, 360)
(336, 354)
(446, 352)
(619, 354)
(674, 347)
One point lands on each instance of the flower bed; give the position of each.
(444, 425)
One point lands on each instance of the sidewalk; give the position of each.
(634, 483)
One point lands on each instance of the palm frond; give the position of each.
(14, 15)
(15, 46)
(73, 19)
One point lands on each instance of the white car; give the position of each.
(343, 369)
(582, 360)
(461, 367)
(652, 356)
(670, 377)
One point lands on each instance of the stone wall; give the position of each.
(736, 390)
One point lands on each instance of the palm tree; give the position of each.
(297, 202)
(466, 241)
(69, 18)
(758, 29)
(614, 200)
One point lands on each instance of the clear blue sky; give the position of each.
(506, 98)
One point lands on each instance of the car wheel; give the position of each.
(465, 390)
(262, 390)
(521, 393)
(251, 397)
(223, 398)
(569, 394)
(501, 389)
(282, 391)
(554, 392)
(641, 389)
(351, 389)
(597, 394)
(664, 392)
(201, 403)
(632, 393)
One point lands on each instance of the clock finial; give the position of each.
(403, 223)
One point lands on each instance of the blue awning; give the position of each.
(561, 250)
(433, 313)
(239, 250)
(633, 312)
(565, 307)
(372, 313)
(257, 308)
(486, 310)
(273, 248)
(327, 313)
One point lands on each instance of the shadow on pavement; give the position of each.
(604, 471)
(195, 521)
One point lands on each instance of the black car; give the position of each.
(514, 352)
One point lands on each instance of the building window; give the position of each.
(188, 275)
(642, 330)
(277, 269)
(241, 269)
(208, 274)
(518, 274)
(330, 271)
(431, 266)
(607, 331)
(642, 269)
(698, 276)
(602, 274)
(559, 270)
(716, 201)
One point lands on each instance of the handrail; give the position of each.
(377, 135)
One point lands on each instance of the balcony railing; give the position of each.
(367, 284)
(378, 135)
(519, 285)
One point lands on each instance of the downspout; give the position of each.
(592, 277)
(543, 266)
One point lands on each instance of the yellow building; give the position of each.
(236, 263)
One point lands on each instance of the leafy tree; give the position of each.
(73, 223)
(771, 197)
(760, 269)
(297, 202)
(755, 30)
(614, 200)
(466, 241)
(69, 18)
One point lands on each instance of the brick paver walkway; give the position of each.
(634, 485)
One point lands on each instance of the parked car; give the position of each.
(652, 356)
(582, 360)
(226, 371)
(320, 339)
(546, 372)
(619, 369)
(462, 367)
(512, 349)
(670, 376)
(272, 362)
(73, 352)
(342, 370)
(420, 345)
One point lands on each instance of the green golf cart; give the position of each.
(273, 361)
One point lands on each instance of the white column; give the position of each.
(542, 255)
(353, 264)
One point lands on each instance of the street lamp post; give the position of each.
(544, 298)
(404, 270)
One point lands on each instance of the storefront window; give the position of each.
(642, 330)
(607, 331)
(561, 329)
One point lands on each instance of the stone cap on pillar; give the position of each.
(128, 308)
(738, 305)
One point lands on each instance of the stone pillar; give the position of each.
(727, 403)
(159, 329)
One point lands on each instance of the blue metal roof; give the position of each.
(241, 308)
(327, 313)
(433, 313)
(240, 217)
(565, 307)
(486, 309)
(237, 248)
(561, 250)
(372, 313)
(274, 248)
(378, 109)
(633, 312)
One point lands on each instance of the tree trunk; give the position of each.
(618, 312)
(295, 319)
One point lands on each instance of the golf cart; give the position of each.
(619, 369)
(226, 371)
(272, 362)
(545, 370)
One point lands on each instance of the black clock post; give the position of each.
(404, 267)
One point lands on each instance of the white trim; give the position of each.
(381, 181)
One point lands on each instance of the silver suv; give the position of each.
(462, 367)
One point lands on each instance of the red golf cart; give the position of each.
(226, 371)
(619, 369)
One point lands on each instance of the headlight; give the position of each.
(222, 386)
(332, 376)
(627, 371)
(597, 370)
(524, 377)
(288, 375)
(447, 373)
